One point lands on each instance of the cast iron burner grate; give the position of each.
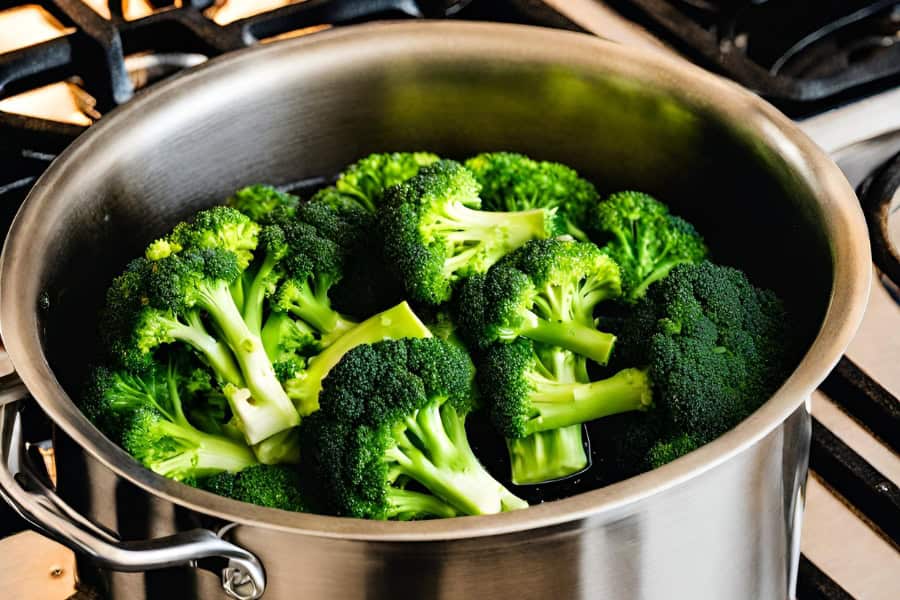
(797, 51)
(95, 51)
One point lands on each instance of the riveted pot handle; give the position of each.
(243, 577)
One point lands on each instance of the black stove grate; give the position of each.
(795, 53)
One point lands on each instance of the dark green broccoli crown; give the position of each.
(265, 204)
(505, 376)
(645, 240)
(221, 484)
(509, 296)
(666, 451)
(126, 300)
(718, 347)
(348, 462)
(273, 242)
(177, 281)
(416, 252)
(511, 181)
(220, 227)
(272, 486)
(383, 383)
(373, 390)
(367, 179)
(442, 183)
(311, 254)
(346, 226)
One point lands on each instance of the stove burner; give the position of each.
(880, 196)
(118, 46)
(792, 52)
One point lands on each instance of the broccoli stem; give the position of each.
(268, 409)
(571, 335)
(254, 296)
(474, 231)
(281, 448)
(561, 405)
(432, 448)
(216, 354)
(205, 454)
(394, 323)
(405, 505)
(315, 309)
(463, 223)
(546, 455)
(659, 272)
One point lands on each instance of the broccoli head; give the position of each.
(645, 240)
(389, 440)
(511, 182)
(220, 227)
(146, 413)
(435, 235)
(716, 346)
(189, 281)
(265, 204)
(547, 292)
(364, 182)
(526, 397)
(272, 486)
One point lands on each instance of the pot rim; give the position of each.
(843, 220)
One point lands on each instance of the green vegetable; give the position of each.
(389, 440)
(146, 414)
(514, 182)
(265, 204)
(272, 486)
(547, 292)
(434, 234)
(645, 240)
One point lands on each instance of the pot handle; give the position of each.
(242, 575)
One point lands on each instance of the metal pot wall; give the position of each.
(722, 522)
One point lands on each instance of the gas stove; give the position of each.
(833, 66)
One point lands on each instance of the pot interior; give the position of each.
(300, 110)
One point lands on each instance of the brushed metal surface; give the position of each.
(722, 522)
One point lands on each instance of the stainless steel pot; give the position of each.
(722, 522)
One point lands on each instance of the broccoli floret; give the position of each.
(367, 285)
(512, 182)
(286, 340)
(190, 280)
(666, 451)
(546, 291)
(364, 182)
(219, 227)
(261, 280)
(645, 240)
(526, 397)
(435, 235)
(392, 418)
(272, 486)
(178, 450)
(555, 453)
(146, 414)
(716, 346)
(313, 264)
(133, 329)
(265, 204)
(395, 323)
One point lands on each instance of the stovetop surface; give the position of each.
(827, 63)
